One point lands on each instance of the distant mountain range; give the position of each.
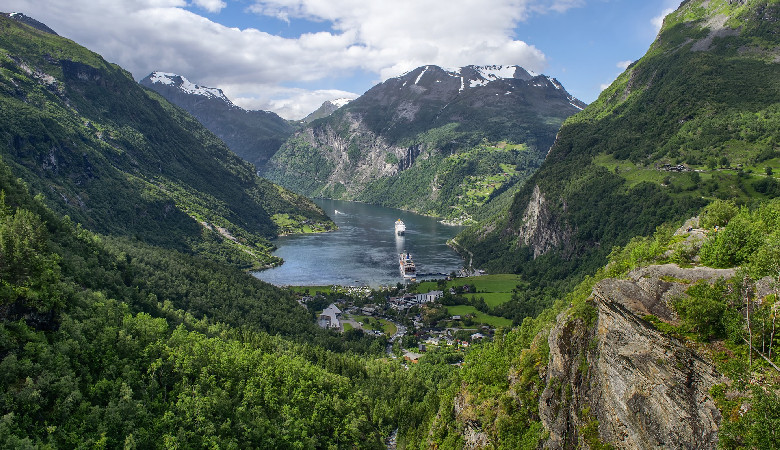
(431, 127)
(253, 135)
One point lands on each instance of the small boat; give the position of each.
(400, 227)
(406, 265)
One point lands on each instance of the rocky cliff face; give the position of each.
(356, 158)
(541, 230)
(626, 383)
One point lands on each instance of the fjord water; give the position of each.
(364, 250)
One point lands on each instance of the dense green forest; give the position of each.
(105, 342)
(121, 160)
(96, 350)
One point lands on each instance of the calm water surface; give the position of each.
(364, 250)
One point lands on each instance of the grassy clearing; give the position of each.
(312, 289)
(370, 323)
(296, 224)
(479, 317)
(499, 283)
(492, 299)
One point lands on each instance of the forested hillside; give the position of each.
(695, 119)
(105, 342)
(672, 344)
(121, 160)
(150, 334)
(253, 135)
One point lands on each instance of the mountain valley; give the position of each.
(632, 247)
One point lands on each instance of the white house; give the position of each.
(330, 317)
(429, 297)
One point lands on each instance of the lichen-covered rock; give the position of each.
(646, 389)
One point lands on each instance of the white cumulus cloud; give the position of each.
(380, 37)
(290, 103)
(624, 64)
(213, 6)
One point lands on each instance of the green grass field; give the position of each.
(479, 317)
(496, 289)
(493, 299)
(387, 327)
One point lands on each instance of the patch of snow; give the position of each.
(339, 102)
(163, 78)
(462, 84)
(188, 86)
(475, 83)
(574, 105)
(496, 72)
(421, 75)
(554, 83)
(14, 14)
(507, 92)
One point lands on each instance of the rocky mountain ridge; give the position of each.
(416, 121)
(253, 135)
(645, 388)
(27, 20)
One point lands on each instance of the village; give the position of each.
(412, 323)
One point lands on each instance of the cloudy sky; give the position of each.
(288, 56)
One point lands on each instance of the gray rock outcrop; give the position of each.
(644, 388)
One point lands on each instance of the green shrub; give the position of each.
(718, 213)
(702, 309)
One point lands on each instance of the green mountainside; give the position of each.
(107, 342)
(672, 344)
(121, 160)
(253, 135)
(438, 142)
(695, 119)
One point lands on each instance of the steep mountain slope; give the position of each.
(433, 140)
(670, 345)
(121, 160)
(696, 118)
(27, 20)
(253, 135)
(327, 108)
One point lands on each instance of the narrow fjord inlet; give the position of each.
(365, 248)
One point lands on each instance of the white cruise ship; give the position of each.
(406, 264)
(400, 227)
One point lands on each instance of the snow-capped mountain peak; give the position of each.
(339, 102)
(186, 86)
